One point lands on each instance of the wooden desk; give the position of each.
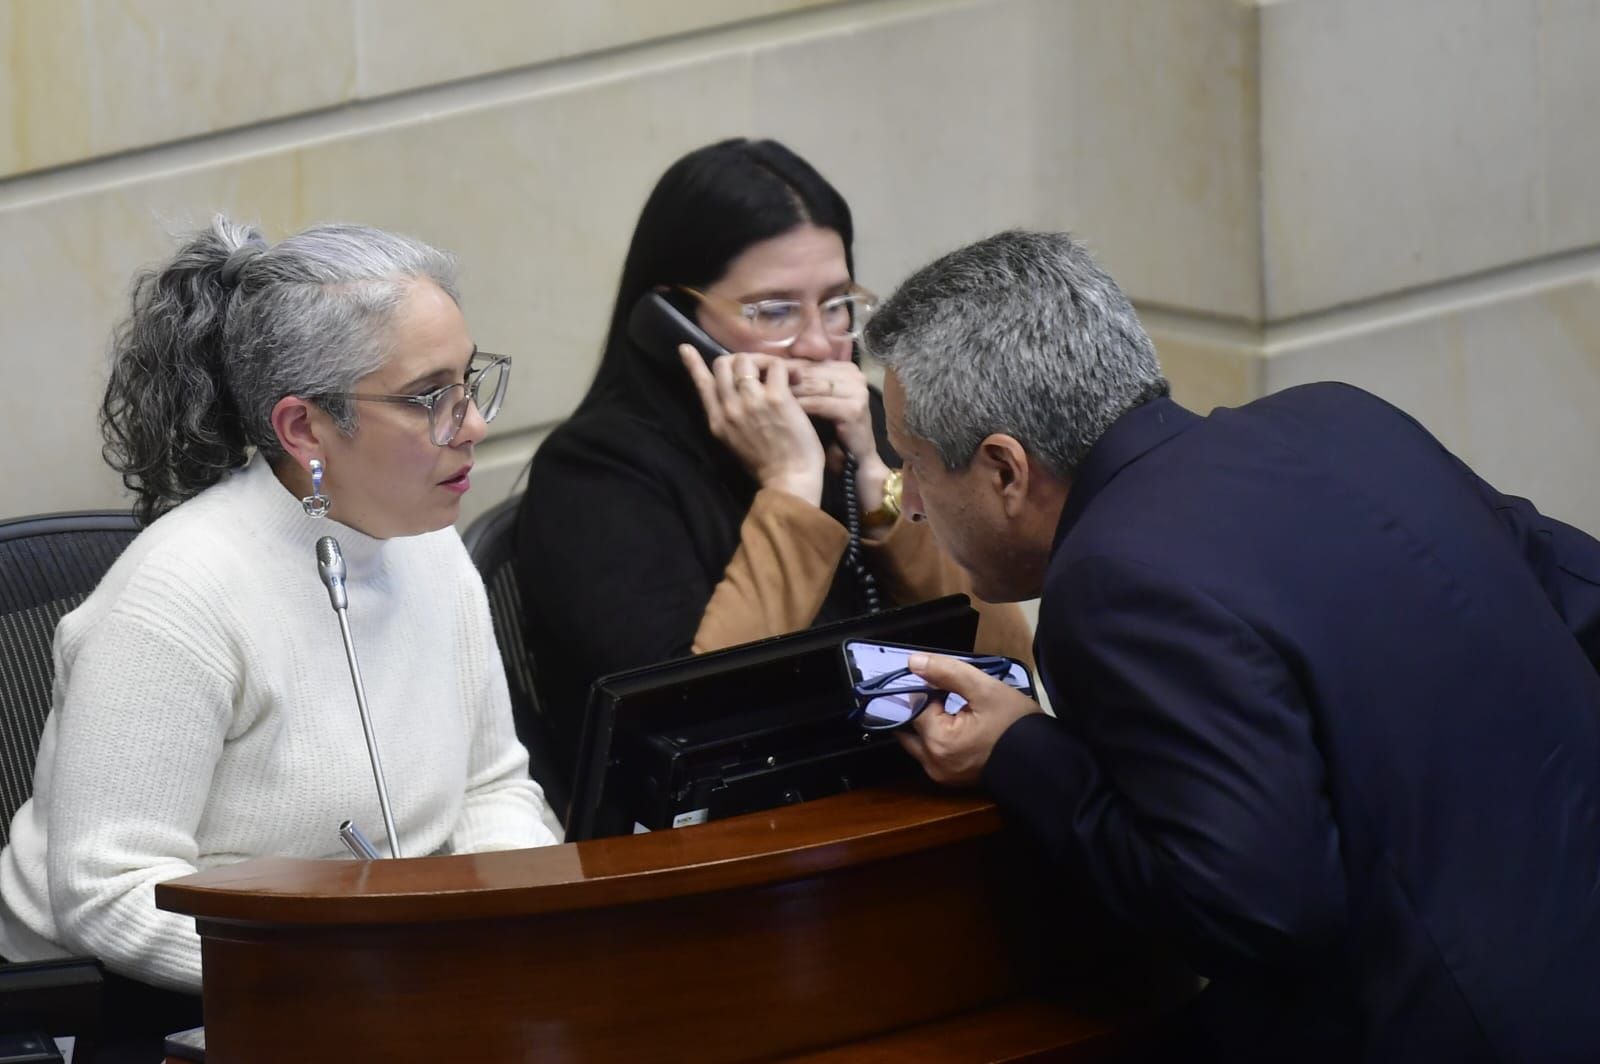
(835, 928)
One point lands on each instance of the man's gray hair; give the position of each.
(1021, 334)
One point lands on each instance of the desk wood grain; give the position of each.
(804, 930)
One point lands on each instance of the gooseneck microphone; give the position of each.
(330, 567)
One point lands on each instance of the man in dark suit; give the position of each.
(1328, 704)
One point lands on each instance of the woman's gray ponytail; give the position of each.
(216, 336)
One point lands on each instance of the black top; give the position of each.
(1331, 724)
(631, 515)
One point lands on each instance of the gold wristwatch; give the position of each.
(888, 511)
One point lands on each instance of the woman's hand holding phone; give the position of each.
(836, 391)
(751, 409)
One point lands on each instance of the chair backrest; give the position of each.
(491, 541)
(48, 565)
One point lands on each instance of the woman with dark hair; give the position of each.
(684, 507)
(202, 711)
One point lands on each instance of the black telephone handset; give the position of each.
(659, 327)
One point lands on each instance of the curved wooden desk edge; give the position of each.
(758, 848)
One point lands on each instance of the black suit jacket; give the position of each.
(1330, 721)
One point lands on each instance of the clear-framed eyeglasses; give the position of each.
(779, 322)
(487, 377)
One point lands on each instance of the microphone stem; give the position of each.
(372, 742)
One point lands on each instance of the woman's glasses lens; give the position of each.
(488, 390)
(776, 321)
(847, 315)
(781, 321)
(449, 410)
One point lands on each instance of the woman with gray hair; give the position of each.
(262, 397)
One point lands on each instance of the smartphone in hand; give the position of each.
(887, 694)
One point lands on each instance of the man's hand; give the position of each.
(953, 747)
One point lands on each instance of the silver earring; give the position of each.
(316, 504)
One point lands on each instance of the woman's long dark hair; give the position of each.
(707, 209)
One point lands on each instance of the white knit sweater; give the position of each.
(203, 714)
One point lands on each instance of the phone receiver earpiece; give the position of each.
(659, 327)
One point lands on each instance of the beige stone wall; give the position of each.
(1431, 223)
(1394, 192)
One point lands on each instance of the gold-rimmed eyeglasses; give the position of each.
(779, 322)
(485, 386)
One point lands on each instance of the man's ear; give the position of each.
(301, 428)
(1005, 465)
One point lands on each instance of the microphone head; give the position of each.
(330, 567)
(329, 556)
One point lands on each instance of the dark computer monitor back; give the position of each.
(746, 728)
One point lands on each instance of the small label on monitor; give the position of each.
(693, 816)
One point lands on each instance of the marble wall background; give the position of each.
(1398, 193)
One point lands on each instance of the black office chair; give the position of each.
(48, 565)
(491, 541)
